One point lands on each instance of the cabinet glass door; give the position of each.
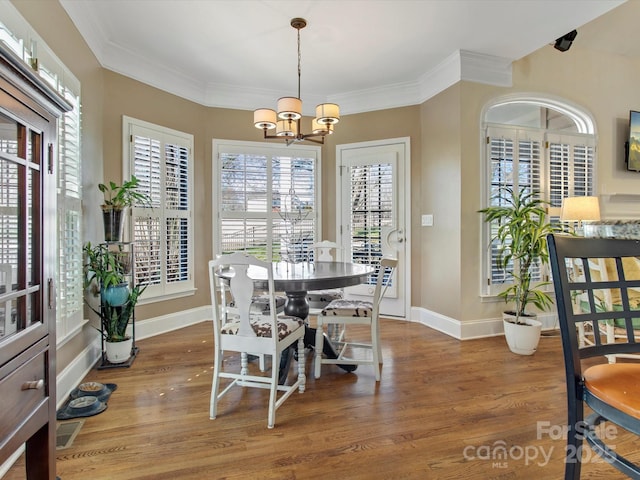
(21, 154)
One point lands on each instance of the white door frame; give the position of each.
(403, 272)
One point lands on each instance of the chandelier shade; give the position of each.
(289, 108)
(319, 129)
(265, 118)
(327, 113)
(286, 119)
(287, 128)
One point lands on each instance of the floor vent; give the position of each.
(66, 433)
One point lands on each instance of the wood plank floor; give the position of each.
(442, 410)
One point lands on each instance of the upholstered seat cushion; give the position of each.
(262, 325)
(617, 384)
(348, 308)
(321, 298)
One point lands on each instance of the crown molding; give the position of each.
(460, 65)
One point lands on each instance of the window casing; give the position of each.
(555, 165)
(266, 199)
(162, 233)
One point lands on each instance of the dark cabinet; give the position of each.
(28, 124)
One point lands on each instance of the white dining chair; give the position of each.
(356, 312)
(250, 330)
(324, 251)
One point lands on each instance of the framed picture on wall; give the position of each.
(633, 156)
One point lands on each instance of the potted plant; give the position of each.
(106, 273)
(116, 200)
(521, 228)
(109, 272)
(114, 321)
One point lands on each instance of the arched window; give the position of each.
(539, 144)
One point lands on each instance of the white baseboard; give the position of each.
(172, 321)
(486, 327)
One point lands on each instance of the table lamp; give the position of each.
(580, 210)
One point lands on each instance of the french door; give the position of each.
(373, 216)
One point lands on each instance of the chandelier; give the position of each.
(286, 120)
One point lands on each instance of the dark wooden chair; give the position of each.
(611, 390)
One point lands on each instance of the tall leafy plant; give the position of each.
(122, 196)
(521, 228)
(106, 268)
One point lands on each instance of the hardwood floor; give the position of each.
(442, 410)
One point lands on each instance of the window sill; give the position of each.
(169, 296)
(484, 298)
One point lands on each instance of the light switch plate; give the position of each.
(427, 220)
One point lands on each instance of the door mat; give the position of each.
(66, 433)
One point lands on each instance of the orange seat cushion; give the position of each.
(617, 384)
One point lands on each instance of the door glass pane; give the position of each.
(371, 210)
(20, 233)
(8, 225)
(8, 136)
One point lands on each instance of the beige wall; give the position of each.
(446, 162)
(437, 266)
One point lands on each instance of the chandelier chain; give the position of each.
(299, 61)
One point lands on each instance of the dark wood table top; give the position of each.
(305, 276)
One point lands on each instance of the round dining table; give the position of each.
(296, 279)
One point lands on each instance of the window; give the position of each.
(162, 160)
(266, 199)
(17, 35)
(555, 164)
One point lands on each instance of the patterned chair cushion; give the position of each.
(322, 298)
(348, 308)
(262, 326)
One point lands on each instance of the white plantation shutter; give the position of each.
(267, 199)
(162, 161)
(515, 161)
(69, 291)
(372, 206)
(178, 214)
(516, 158)
(571, 168)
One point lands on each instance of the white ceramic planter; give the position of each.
(119, 352)
(522, 339)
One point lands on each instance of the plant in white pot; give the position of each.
(114, 320)
(106, 276)
(521, 227)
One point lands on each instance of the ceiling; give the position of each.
(363, 54)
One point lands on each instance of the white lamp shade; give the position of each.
(580, 209)
(265, 118)
(287, 128)
(289, 108)
(319, 129)
(327, 113)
